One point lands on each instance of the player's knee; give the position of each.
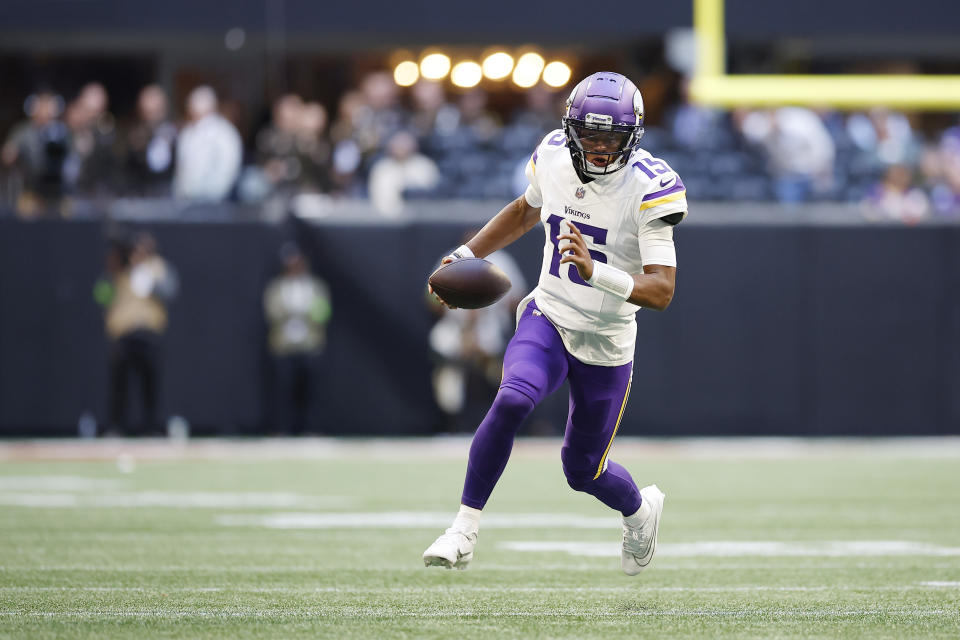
(513, 404)
(579, 476)
(579, 480)
(526, 378)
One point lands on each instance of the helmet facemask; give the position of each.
(603, 123)
(599, 150)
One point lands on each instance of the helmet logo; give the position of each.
(570, 98)
(580, 193)
(638, 106)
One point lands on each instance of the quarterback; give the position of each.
(608, 208)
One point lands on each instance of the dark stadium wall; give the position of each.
(774, 330)
(496, 21)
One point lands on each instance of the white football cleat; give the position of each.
(640, 538)
(453, 550)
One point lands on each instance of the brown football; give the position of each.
(469, 283)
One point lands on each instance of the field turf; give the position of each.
(322, 539)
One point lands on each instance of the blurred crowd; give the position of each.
(394, 145)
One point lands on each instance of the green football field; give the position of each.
(322, 539)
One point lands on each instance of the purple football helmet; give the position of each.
(603, 122)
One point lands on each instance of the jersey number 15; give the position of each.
(598, 235)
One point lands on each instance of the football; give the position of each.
(469, 283)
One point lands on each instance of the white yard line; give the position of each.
(175, 499)
(392, 612)
(414, 565)
(469, 588)
(456, 447)
(36, 483)
(754, 548)
(414, 520)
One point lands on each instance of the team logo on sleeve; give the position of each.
(580, 193)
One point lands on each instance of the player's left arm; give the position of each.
(652, 289)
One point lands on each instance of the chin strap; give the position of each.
(584, 177)
(579, 164)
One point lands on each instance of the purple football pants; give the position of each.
(535, 365)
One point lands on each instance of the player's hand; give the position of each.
(573, 248)
(446, 260)
(439, 299)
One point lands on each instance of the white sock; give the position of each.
(642, 514)
(468, 519)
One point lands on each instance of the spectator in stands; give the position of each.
(433, 118)
(896, 198)
(37, 150)
(401, 169)
(539, 113)
(79, 121)
(297, 307)
(95, 100)
(886, 137)
(209, 151)
(467, 347)
(92, 164)
(366, 120)
(135, 292)
(347, 157)
(694, 126)
(940, 177)
(150, 145)
(383, 115)
(949, 146)
(800, 152)
(477, 125)
(525, 130)
(291, 151)
(314, 148)
(277, 145)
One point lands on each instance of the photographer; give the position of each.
(135, 292)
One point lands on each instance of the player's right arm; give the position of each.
(510, 223)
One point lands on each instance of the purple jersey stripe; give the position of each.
(535, 152)
(677, 186)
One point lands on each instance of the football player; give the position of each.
(608, 208)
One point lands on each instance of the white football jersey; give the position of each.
(610, 211)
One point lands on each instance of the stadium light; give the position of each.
(498, 65)
(435, 66)
(406, 73)
(466, 74)
(556, 74)
(528, 69)
(712, 86)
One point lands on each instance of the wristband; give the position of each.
(616, 282)
(463, 251)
